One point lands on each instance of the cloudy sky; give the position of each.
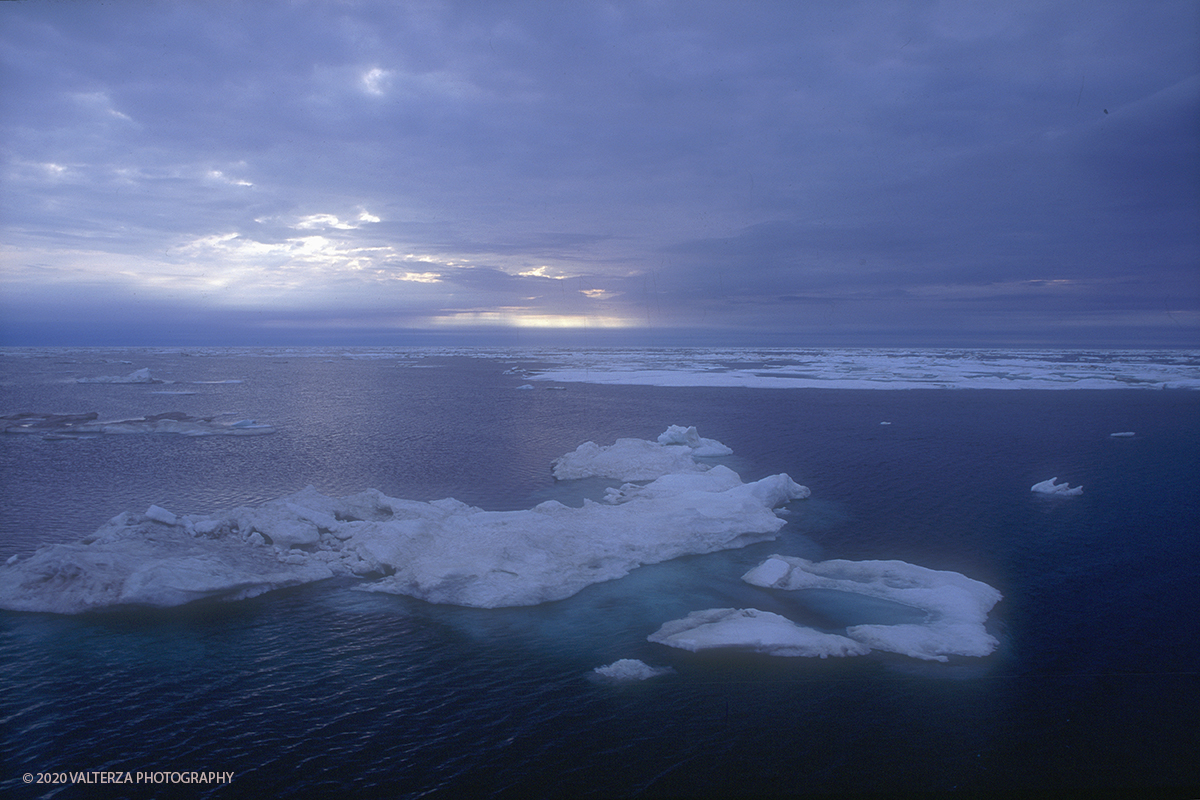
(817, 173)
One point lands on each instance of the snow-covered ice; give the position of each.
(443, 551)
(630, 669)
(752, 630)
(956, 606)
(639, 460)
(1050, 487)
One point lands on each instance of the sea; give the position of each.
(923, 456)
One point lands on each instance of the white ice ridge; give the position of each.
(956, 606)
(1050, 487)
(69, 426)
(630, 669)
(137, 376)
(444, 551)
(752, 630)
(639, 460)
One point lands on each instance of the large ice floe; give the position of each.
(955, 607)
(443, 551)
(73, 426)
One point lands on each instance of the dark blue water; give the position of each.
(321, 688)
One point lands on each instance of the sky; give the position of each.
(908, 174)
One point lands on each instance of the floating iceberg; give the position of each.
(752, 630)
(630, 669)
(1123, 435)
(68, 426)
(639, 460)
(956, 606)
(137, 376)
(443, 552)
(1050, 487)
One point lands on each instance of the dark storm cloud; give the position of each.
(864, 169)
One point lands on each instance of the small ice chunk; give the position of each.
(768, 573)
(631, 669)
(160, 514)
(526, 386)
(755, 631)
(1123, 435)
(13, 559)
(1050, 487)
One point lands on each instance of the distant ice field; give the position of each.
(779, 368)
(876, 368)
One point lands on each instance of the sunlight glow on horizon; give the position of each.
(524, 318)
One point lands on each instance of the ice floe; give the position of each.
(639, 460)
(1123, 435)
(137, 376)
(630, 669)
(1050, 487)
(443, 551)
(69, 426)
(956, 606)
(749, 629)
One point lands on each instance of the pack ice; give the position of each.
(956, 608)
(443, 551)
